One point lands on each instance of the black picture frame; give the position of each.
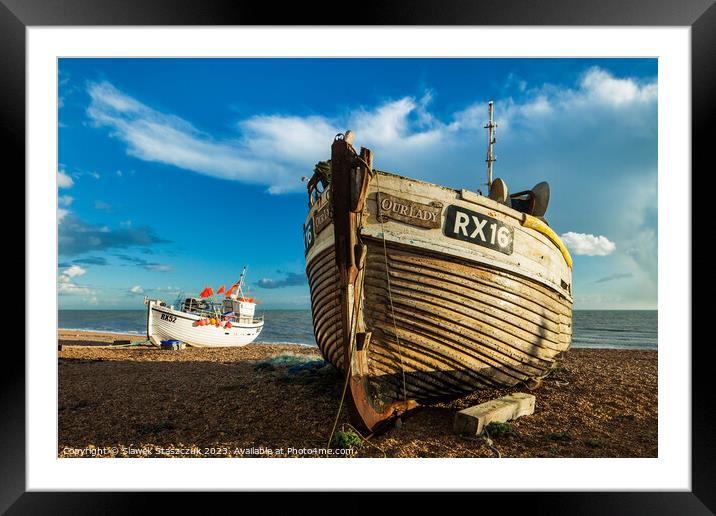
(700, 15)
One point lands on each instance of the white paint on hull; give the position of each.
(180, 326)
(534, 255)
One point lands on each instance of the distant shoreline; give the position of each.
(84, 337)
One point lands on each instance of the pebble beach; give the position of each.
(141, 401)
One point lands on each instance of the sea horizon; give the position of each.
(603, 328)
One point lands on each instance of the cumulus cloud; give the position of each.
(76, 236)
(64, 180)
(292, 279)
(65, 200)
(590, 245)
(136, 290)
(600, 85)
(73, 271)
(66, 281)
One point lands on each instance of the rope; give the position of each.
(486, 440)
(340, 407)
(367, 440)
(390, 296)
(131, 344)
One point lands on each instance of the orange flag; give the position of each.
(228, 292)
(206, 292)
(221, 289)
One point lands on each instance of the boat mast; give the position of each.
(490, 126)
(241, 282)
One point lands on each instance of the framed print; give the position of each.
(367, 257)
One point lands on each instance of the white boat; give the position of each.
(234, 320)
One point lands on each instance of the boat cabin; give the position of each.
(196, 305)
(243, 307)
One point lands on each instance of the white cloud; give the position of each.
(600, 85)
(74, 271)
(549, 107)
(154, 136)
(137, 289)
(64, 180)
(72, 289)
(387, 123)
(65, 200)
(61, 214)
(275, 150)
(65, 282)
(590, 245)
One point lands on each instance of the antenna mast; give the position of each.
(490, 126)
(240, 291)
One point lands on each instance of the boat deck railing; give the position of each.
(235, 318)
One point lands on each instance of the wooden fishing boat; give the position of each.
(421, 293)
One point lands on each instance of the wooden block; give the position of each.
(121, 342)
(472, 420)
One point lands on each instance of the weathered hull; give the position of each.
(428, 313)
(455, 327)
(163, 323)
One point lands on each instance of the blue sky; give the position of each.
(174, 173)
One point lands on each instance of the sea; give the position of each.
(616, 329)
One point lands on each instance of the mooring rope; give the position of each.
(131, 344)
(367, 440)
(486, 439)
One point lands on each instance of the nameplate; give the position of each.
(410, 212)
